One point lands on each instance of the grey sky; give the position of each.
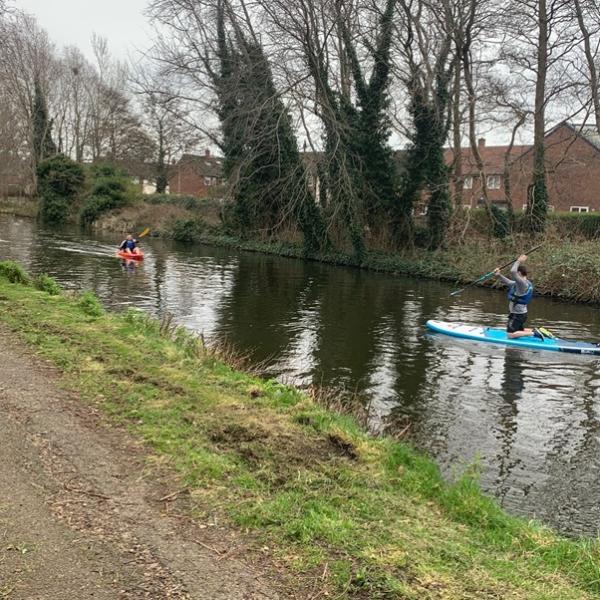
(72, 22)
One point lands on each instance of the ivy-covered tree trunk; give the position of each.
(426, 178)
(43, 146)
(262, 161)
(537, 202)
(369, 124)
(439, 207)
(162, 175)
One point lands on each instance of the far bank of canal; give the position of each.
(531, 421)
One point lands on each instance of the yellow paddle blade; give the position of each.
(145, 232)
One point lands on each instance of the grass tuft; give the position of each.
(14, 272)
(47, 284)
(90, 305)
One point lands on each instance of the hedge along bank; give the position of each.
(349, 514)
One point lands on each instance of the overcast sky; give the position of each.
(72, 22)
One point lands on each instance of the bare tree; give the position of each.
(544, 60)
(165, 116)
(26, 69)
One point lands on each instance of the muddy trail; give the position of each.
(83, 514)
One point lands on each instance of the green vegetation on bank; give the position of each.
(60, 181)
(359, 517)
(567, 267)
(67, 188)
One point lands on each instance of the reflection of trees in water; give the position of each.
(511, 390)
(569, 495)
(264, 299)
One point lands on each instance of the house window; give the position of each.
(579, 209)
(493, 182)
(468, 182)
(210, 181)
(524, 209)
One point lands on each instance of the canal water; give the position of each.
(529, 420)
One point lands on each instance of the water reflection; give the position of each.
(530, 419)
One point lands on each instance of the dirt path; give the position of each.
(81, 516)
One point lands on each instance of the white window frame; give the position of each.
(468, 182)
(493, 182)
(579, 209)
(524, 209)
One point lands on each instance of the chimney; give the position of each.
(207, 152)
(481, 143)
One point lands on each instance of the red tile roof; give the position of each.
(492, 156)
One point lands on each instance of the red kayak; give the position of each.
(130, 255)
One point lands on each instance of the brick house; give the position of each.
(195, 175)
(573, 168)
(493, 158)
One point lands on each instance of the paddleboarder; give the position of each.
(520, 294)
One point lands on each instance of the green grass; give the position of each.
(361, 517)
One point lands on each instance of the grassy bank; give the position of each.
(19, 207)
(567, 267)
(349, 514)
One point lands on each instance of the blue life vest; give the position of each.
(129, 244)
(524, 299)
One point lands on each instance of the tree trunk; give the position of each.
(589, 55)
(506, 178)
(538, 197)
(457, 146)
(161, 168)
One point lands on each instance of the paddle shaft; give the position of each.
(491, 273)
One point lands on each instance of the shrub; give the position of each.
(187, 230)
(47, 284)
(421, 236)
(584, 224)
(14, 272)
(110, 188)
(60, 180)
(501, 222)
(96, 206)
(159, 199)
(90, 305)
(188, 202)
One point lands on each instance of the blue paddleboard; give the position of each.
(499, 336)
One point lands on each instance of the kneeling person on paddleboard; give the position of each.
(520, 294)
(129, 244)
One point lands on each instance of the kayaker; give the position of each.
(129, 244)
(520, 294)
